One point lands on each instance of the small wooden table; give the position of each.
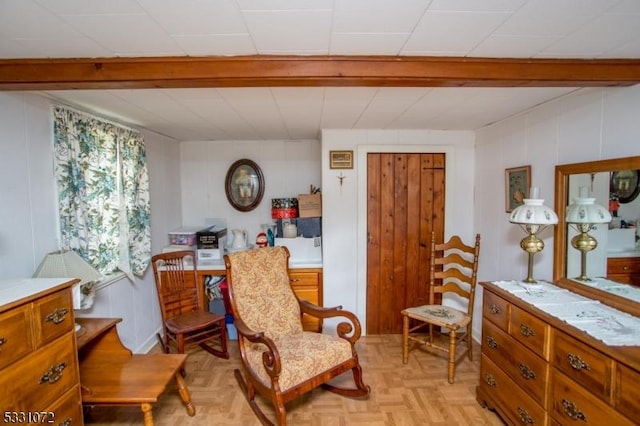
(111, 375)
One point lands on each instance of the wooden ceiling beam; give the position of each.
(312, 71)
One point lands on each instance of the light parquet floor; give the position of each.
(402, 395)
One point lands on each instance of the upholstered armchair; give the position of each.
(280, 361)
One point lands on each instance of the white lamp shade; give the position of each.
(68, 264)
(584, 210)
(533, 212)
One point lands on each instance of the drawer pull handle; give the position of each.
(53, 374)
(3, 340)
(494, 309)
(526, 331)
(491, 381)
(294, 280)
(572, 411)
(66, 422)
(525, 418)
(577, 363)
(526, 372)
(57, 316)
(491, 342)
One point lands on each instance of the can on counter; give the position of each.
(284, 208)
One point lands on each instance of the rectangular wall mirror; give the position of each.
(615, 263)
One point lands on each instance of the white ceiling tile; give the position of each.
(77, 47)
(218, 45)
(285, 4)
(387, 105)
(598, 37)
(135, 34)
(343, 106)
(378, 16)
(91, 7)
(197, 17)
(512, 46)
(25, 19)
(450, 31)
(300, 109)
(366, 44)
(477, 6)
(290, 31)
(560, 17)
(488, 28)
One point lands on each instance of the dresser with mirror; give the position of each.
(568, 352)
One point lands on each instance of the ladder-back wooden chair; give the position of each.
(280, 361)
(454, 268)
(184, 318)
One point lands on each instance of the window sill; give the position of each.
(110, 279)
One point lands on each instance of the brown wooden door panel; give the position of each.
(405, 203)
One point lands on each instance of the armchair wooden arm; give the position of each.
(351, 330)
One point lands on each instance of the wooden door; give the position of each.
(405, 203)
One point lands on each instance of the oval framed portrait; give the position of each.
(625, 184)
(244, 185)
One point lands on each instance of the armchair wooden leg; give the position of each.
(405, 339)
(452, 355)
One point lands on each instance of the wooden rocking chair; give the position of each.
(280, 361)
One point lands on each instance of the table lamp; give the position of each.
(583, 213)
(533, 216)
(68, 264)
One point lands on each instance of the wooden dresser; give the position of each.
(39, 379)
(624, 270)
(536, 369)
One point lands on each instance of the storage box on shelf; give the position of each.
(309, 205)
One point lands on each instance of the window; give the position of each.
(103, 192)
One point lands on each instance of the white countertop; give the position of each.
(15, 289)
(218, 265)
(624, 253)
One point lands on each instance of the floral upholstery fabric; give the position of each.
(265, 301)
(262, 292)
(303, 356)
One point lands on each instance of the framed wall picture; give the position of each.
(517, 184)
(341, 159)
(244, 185)
(624, 185)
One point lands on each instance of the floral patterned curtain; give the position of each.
(103, 192)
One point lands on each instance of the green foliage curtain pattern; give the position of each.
(103, 192)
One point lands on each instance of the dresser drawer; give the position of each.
(583, 364)
(303, 278)
(623, 265)
(530, 331)
(53, 316)
(15, 335)
(67, 410)
(528, 371)
(573, 404)
(627, 395)
(36, 381)
(516, 404)
(495, 309)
